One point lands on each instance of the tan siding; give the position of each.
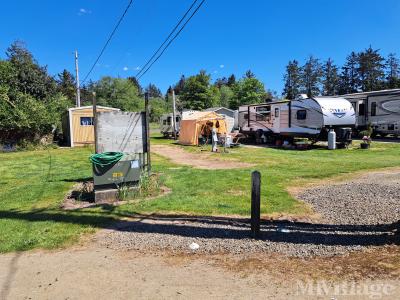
(83, 135)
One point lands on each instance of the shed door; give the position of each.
(83, 129)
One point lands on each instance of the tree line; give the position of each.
(198, 92)
(364, 71)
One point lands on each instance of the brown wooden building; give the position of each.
(78, 126)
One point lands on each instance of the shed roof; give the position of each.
(218, 108)
(91, 107)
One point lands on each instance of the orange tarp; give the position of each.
(191, 127)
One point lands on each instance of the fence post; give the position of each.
(255, 203)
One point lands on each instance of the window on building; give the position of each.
(169, 119)
(86, 121)
(164, 122)
(276, 112)
(361, 109)
(246, 116)
(373, 109)
(301, 114)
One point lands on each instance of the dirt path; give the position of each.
(99, 273)
(200, 161)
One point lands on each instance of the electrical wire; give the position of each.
(169, 43)
(108, 41)
(166, 40)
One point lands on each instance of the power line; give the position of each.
(175, 36)
(108, 40)
(173, 30)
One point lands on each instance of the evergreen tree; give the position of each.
(178, 87)
(330, 78)
(66, 85)
(219, 82)
(31, 78)
(393, 72)
(248, 91)
(226, 96)
(231, 80)
(249, 74)
(197, 92)
(349, 78)
(292, 80)
(311, 74)
(371, 70)
(153, 91)
(136, 83)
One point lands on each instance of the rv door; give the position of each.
(361, 113)
(276, 119)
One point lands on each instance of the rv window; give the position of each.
(246, 116)
(169, 119)
(86, 121)
(301, 114)
(263, 113)
(373, 109)
(164, 122)
(276, 112)
(361, 109)
(177, 119)
(260, 117)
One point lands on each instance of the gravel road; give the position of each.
(355, 215)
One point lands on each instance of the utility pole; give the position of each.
(147, 116)
(174, 113)
(78, 91)
(94, 122)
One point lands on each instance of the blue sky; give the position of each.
(225, 36)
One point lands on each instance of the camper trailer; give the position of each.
(166, 122)
(304, 117)
(380, 109)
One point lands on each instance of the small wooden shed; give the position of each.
(78, 129)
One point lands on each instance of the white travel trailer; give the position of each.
(166, 122)
(304, 117)
(381, 109)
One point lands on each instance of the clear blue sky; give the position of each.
(226, 36)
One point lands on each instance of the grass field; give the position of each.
(33, 184)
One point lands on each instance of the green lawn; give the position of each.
(33, 184)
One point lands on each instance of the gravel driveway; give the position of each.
(355, 215)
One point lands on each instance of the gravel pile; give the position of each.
(355, 215)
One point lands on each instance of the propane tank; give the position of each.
(331, 140)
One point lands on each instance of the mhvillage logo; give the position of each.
(365, 290)
(338, 112)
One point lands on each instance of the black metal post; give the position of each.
(146, 105)
(255, 203)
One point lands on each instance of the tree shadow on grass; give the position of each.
(223, 227)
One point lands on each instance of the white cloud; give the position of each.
(137, 68)
(125, 68)
(84, 11)
(222, 66)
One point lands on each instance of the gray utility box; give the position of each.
(127, 171)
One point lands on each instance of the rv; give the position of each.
(380, 109)
(166, 122)
(304, 117)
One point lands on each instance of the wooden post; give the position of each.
(95, 121)
(174, 113)
(146, 105)
(255, 203)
